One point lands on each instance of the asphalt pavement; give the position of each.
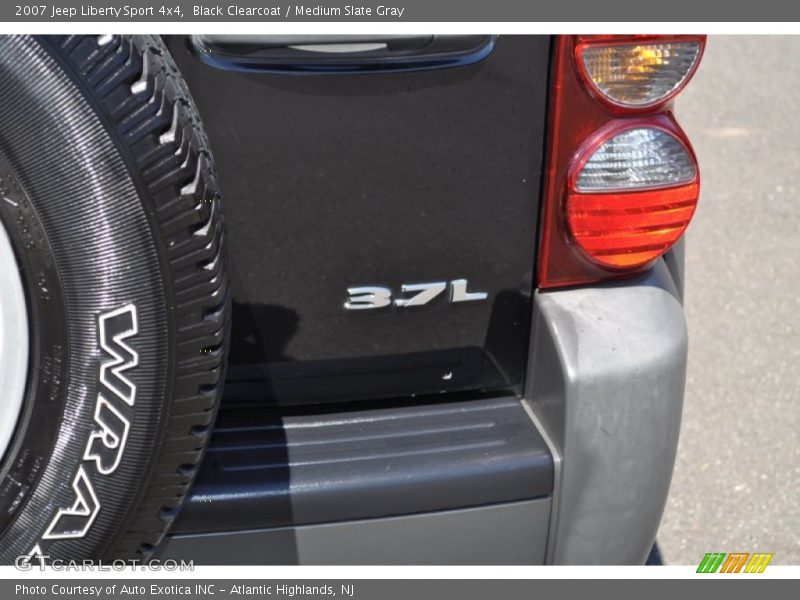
(736, 486)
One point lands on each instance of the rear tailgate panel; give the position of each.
(334, 181)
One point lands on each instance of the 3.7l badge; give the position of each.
(412, 294)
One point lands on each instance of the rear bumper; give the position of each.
(606, 385)
(576, 472)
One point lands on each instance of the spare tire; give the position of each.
(115, 309)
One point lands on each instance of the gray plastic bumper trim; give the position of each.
(607, 382)
(501, 534)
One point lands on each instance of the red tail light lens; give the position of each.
(619, 190)
(632, 194)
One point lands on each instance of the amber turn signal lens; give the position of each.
(639, 75)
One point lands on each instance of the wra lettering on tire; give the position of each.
(75, 521)
(106, 444)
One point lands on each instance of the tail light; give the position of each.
(622, 180)
(638, 74)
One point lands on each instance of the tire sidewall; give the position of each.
(115, 303)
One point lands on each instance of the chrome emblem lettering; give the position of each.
(411, 294)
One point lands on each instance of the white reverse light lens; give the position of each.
(637, 158)
(638, 75)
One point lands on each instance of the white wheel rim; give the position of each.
(13, 343)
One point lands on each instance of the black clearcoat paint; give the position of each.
(378, 179)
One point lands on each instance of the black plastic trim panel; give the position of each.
(266, 470)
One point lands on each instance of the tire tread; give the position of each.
(142, 95)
